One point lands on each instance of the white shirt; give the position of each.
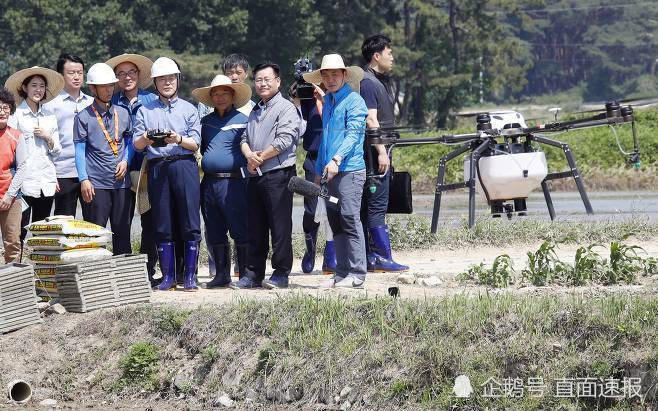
(65, 107)
(40, 174)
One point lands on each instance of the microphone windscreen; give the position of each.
(303, 187)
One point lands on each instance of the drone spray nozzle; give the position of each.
(483, 122)
(612, 109)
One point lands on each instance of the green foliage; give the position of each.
(169, 321)
(544, 267)
(541, 265)
(500, 275)
(448, 53)
(140, 366)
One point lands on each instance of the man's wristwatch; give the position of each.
(337, 160)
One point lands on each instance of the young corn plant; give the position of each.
(588, 264)
(540, 265)
(500, 275)
(624, 262)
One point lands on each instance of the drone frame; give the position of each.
(483, 142)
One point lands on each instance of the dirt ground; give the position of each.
(438, 262)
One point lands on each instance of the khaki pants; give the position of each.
(10, 225)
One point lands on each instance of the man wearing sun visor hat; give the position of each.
(101, 135)
(168, 129)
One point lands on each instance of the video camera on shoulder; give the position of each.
(304, 90)
(158, 137)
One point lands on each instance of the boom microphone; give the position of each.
(310, 190)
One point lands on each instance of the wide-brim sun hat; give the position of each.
(54, 82)
(241, 97)
(142, 63)
(335, 61)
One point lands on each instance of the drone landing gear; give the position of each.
(486, 147)
(572, 172)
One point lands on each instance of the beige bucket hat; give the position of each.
(54, 80)
(335, 61)
(242, 91)
(143, 65)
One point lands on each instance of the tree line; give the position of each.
(449, 53)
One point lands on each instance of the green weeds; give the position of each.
(140, 366)
(545, 267)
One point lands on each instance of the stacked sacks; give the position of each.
(62, 240)
(18, 301)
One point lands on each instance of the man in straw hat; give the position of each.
(269, 144)
(377, 92)
(340, 159)
(134, 74)
(69, 102)
(102, 134)
(224, 188)
(235, 67)
(36, 86)
(172, 170)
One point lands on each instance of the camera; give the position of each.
(303, 89)
(158, 137)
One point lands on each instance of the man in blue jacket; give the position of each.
(340, 159)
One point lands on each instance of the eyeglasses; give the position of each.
(124, 74)
(264, 80)
(6, 109)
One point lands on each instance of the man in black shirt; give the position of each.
(377, 92)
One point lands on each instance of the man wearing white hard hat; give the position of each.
(134, 74)
(168, 129)
(340, 159)
(224, 189)
(102, 135)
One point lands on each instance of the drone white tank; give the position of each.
(504, 175)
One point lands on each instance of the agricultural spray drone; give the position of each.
(503, 163)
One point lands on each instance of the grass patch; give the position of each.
(140, 366)
(405, 354)
(413, 232)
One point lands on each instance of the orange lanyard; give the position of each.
(114, 144)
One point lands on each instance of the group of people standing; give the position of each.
(126, 148)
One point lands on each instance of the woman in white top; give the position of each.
(36, 86)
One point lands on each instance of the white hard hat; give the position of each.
(101, 73)
(164, 66)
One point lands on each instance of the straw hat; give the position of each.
(143, 65)
(242, 91)
(335, 61)
(54, 82)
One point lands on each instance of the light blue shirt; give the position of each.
(65, 107)
(343, 130)
(143, 97)
(179, 116)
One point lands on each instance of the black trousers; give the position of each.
(270, 211)
(68, 197)
(113, 205)
(39, 209)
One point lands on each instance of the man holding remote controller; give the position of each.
(170, 131)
